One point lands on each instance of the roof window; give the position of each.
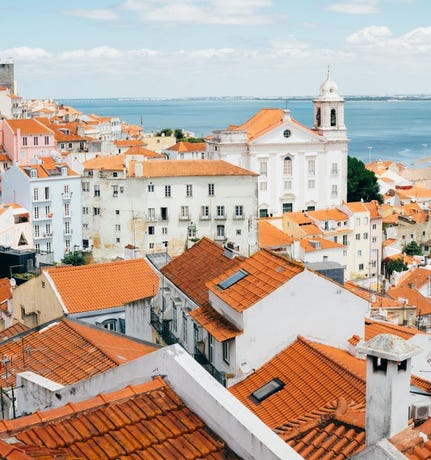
(232, 279)
(265, 391)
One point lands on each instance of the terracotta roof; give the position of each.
(314, 375)
(377, 300)
(298, 217)
(356, 206)
(106, 162)
(48, 167)
(188, 147)
(373, 328)
(146, 153)
(103, 285)
(13, 330)
(415, 442)
(69, 351)
(415, 193)
(260, 123)
(272, 237)
(311, 229)
(328, 214)
(317, 244)
(202, 262)
(128, 142)
(5, 290)
(420, 277)
(335, 431)
(144, 421)
(414, 297)
(265, 272)
(217, 325)
(28, 126)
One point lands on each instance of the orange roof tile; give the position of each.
(217, 325)
(377, 300)
(314, 375)
(69, 351)
(48, 167)
(298, 217)
(27, 126)
(272, 237)
(188, 147)
(373, 328)
(202, 262)
(317, 244)
(13, 330)
(5, 290)
(103, 285)
(419, 277)
(328, 214)
(311, 229)
(143, 421)
(128, 142)
(260, 123)
(265, 271)
(146, 153)
(414, 297)
(356, 206)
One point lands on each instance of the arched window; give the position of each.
(287, 166)
(318, 118)
(333, 117)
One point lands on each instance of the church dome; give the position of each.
(328, 87)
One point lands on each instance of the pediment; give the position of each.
(289, 132)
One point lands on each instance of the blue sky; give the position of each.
(196, 48)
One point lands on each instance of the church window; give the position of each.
(287, 166)
(318, 117)
(333, 117)
(263, 168)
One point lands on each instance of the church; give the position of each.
(299, 168)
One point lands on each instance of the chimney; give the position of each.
(388, 385)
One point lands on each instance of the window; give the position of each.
(333, 117)
(151, 187)
(165, 244)
(35, 140)
(184, 327)
(211, 189)
(191, 231)
(358, 236)
(46, 193)
(70, 145)
(24, 141)
(184, 213)
(67, 209)
(164, 213)
(151, 230)
(311, 167)
(37, 247)
(232, 279)
(239, 212)
(374, 226)
(220, 212)
(263, 186)
(287, 166)
(189, 190)
(359, 253)
(238, 231)
(36, 231)
(220, 231)
(164, 230)
(335, 239)
(150, 245)
(35, 194)
(48, 246)
(115, 191)
(48, 211)
(361, 266)
(263, 212)
(311, 183)
(66, 189)
(96, 211)
(226, 351)
(85, 210)
(210, 348)
(86, 186)
(318, 117)
(151, 214)
(121, 189)
(117, 212)
(46, 140)
(263, 168)
(334, 169)
(85, 226)
(167, 191)
(345, 240)
(33, 173)
(374, 239)
(334, 191)
(205, 212)
(67, 228)
(117, 227)
(365, 236)
(365, 219)
(287, 207)
(265, 391)
(97, 190)
(358, 221)
(287, 185)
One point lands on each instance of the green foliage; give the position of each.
(179, 134)
(73, 258)
(193, 140)
(412, 249)
(361, 182)
(395, 265)
(165, 132)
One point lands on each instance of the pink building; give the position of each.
(26, 139)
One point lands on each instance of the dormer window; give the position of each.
(265, 391)
(64, 171)
(232, 279)
(33, 173)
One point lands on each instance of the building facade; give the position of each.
(299, 168)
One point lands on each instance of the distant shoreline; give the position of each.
(395, 98)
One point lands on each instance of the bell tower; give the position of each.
(329, 112)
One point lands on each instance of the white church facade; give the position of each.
(299, 168)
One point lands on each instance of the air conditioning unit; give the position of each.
(420, 412)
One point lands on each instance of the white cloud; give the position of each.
(25, 53)
(99, 15)
(223, 12)
(100, 52)
(355, 7)
(370, 36)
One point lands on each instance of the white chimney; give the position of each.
(388, 385)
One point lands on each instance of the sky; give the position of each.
(208, 48)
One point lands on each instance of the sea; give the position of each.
(379, 128)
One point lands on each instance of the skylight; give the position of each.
(232, 279)
(265, 391)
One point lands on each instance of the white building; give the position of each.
(15, 227)
(299, 168)
(157, 205)
(52, 193)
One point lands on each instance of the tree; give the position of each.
(395, 265)
(73, 258)
(179, 134)
(412, 249)
(361, 182)
(165, 132)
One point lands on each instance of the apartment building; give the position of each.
(158, 205)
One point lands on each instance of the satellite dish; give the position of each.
(12, 282)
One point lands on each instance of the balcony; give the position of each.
(162, 328)
(203, 360)
(151, 218)
(220, 217)
(184, 217)
(48, 234)
(66, 196)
